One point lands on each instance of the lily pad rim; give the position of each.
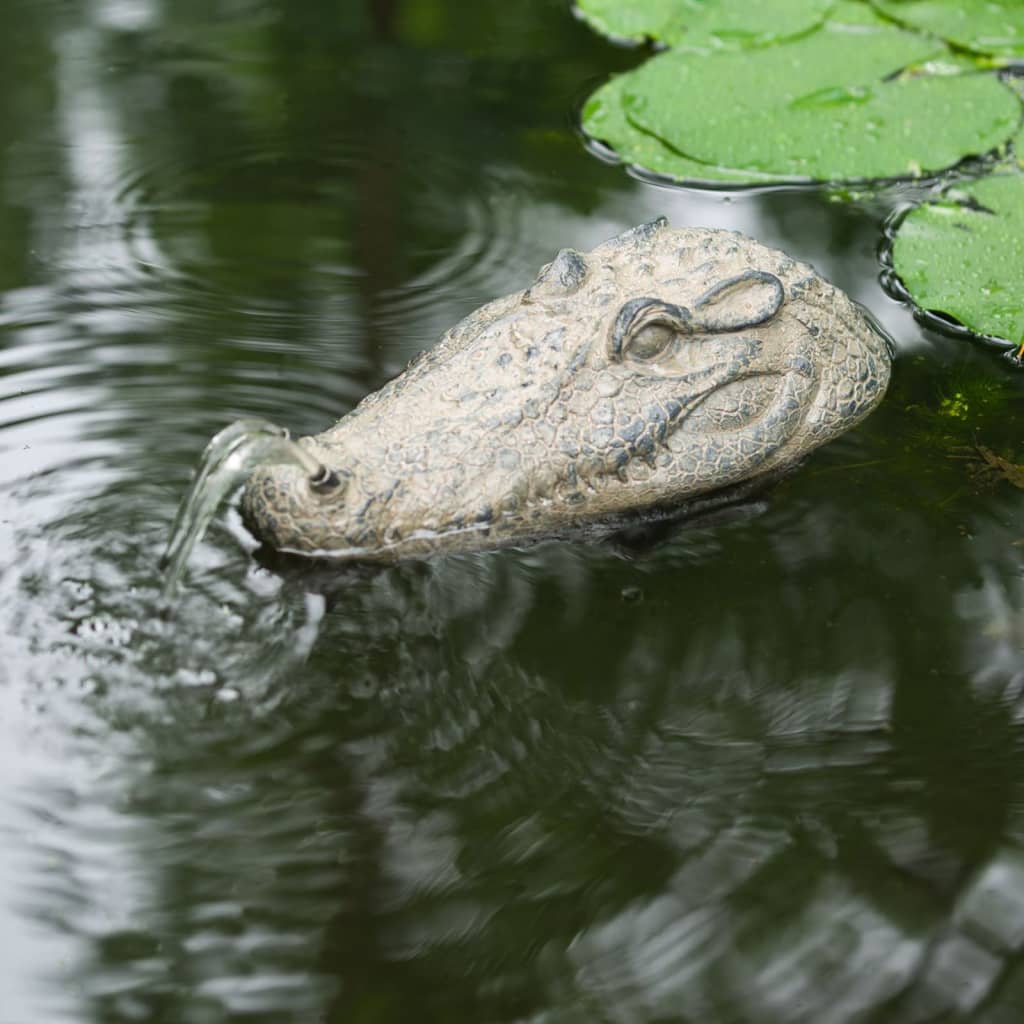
(625, 42)
(656, 45)
(609, 155)
(969, 167)
(1002, 60)
(893, 285)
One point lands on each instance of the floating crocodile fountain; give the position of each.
(665, 371)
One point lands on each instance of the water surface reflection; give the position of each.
(767, 771)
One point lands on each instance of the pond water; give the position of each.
(769, 771)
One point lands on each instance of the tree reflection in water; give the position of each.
(767, 771)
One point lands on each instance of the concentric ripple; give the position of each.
(768, 769)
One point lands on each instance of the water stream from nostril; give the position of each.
(229, 457)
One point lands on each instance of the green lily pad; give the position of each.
(636, 21)
(1017, 154)
(739, 24)
(605, 120)
(855, 12)
(823, 107)
(709, 24)
(963, 256)
(994, 27)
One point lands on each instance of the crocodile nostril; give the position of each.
(324, 480)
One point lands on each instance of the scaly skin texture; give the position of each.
(663, 366)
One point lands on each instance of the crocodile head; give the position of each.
(662, 366)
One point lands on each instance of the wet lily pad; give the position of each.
(604, 119)
(994, 27)
(855, 12)
(963, 256)
(823, 107)
(714, 24)
(653, 19)
(739, 24)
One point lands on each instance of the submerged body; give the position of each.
(659, 369)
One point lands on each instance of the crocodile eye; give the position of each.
(650, 341)
(645, 329)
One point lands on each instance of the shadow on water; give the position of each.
(766, 771)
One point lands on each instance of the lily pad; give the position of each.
(739, 24)
(605, 120)
(855, 12)
(994, 27)
(709, 24)
(636, 21)
(824, 107)
(963, 256)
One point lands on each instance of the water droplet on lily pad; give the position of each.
(960, 256)
(852, 98)
(829, 106)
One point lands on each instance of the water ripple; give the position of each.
(769, 771)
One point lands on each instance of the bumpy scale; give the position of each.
(624, 383)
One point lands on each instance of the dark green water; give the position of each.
(770, 772)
